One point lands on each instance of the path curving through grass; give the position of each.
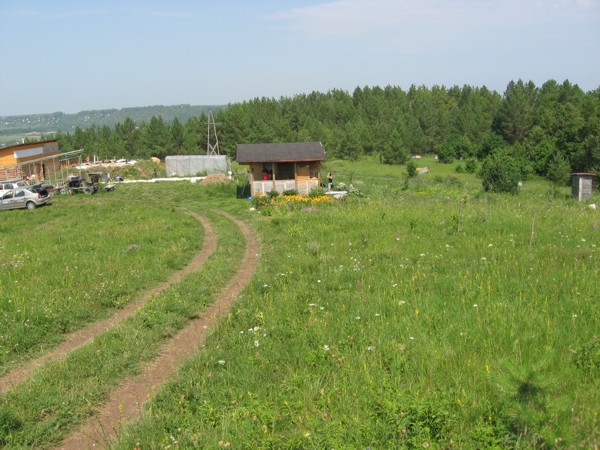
(80, 337)
(126, 402)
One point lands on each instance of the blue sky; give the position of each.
(69, 56)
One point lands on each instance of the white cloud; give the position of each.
(351, 18)
(587, 3)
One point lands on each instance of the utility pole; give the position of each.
(212, 148)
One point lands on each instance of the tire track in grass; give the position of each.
(126, 403)
(80, 337)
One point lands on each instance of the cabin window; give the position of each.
(285, 171)
(267, 173)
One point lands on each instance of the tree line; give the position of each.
(557, 123)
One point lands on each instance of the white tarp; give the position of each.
(191, 165)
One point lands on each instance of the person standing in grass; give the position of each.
(329, 181)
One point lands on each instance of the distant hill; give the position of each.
(15, 127)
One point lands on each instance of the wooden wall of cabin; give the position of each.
(308, 170)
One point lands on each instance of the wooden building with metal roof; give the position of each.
(39, 161)
(283, 166)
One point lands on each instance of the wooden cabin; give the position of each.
(36, 162)
(282, 167)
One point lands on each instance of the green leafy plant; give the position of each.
(500, 173)
(411, 169)
(316, 191)
(471, 165)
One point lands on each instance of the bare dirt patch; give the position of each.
(216, 178)
(127, 401)
(81, 337)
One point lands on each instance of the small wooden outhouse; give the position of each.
(581, 185)
(282, 167)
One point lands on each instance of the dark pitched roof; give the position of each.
(296, 151)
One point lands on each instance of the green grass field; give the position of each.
(420, 314)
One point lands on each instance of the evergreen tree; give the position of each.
(515, 115)
(177, 137)
(559, 170)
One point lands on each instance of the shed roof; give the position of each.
(284, 152)
(26, 145)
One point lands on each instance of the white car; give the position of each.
(23, 197)
(9, 185)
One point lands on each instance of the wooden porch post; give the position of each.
(251, 180)
(296, 176)
(274, 187)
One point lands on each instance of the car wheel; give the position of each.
(30, 205)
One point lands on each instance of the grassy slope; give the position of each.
(377, 323)
(45, 407)
(79, 259)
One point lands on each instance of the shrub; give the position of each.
(353, 191)
(394, 155)
(411, 169)
(290, 192)
(446, 153)
(490, 144)
(500, 173)
(260, 200)
(455, 147)
(559, 170)
(460, 168)
(471, 165)
(317, 191)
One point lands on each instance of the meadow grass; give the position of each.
(80, 259)
(381, 323)
(41, 410)
(424, 314)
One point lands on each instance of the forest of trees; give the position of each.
(555, 124)
(45, 123)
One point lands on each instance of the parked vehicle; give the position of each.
(41, 188)
(11, 184)
(23, 197)
(77, 184)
